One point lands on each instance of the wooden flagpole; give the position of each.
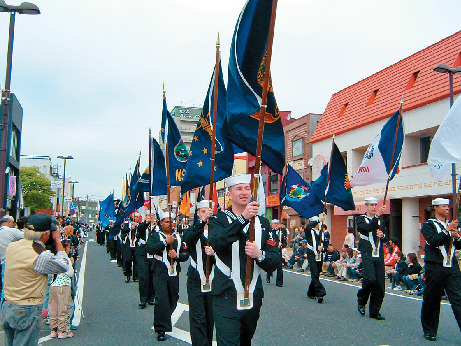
(213, 147)
(262, 113)
(168, 197)
(329, 173)
(150, 180)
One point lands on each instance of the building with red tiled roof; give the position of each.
(357, 113)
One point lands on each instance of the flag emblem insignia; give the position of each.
(181, 152)
(206, 126)
(297, 193)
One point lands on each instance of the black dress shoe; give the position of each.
(268, 280)
(161, 336)
(142, 305)
(127, 279)
(152, 302)
(378, 317)
(430, 337)
(361, 310)
(135, 280)
(320, 300)
(311, 297)
(279, 285)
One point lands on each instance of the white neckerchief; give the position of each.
(375, 248)
(235, 269)
(441, 228)
(165, 251)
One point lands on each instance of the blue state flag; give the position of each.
(177, 153)
(198, 166)
(158, 170)
(142, 185)
(246, 71)
(136, 198)
(164, 118)
(106, 210)
(335, 190)
(298, 194)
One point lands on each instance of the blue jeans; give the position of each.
(21, 323)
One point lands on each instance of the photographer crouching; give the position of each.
(27, 265)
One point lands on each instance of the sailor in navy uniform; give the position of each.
(236, 313)
(371, 248)
(166, 271)
(145, 261)
(198, 289)
(275, 237)
(128, 245)
(313, 236)
(441, 267)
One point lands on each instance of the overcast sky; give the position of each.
(89, 73)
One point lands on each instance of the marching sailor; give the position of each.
(236, 313)
(128, 246)
(276, 237)
(441, 267)
(313, 236)
(371, 247)
(168, 250)
(145, 261)
(198, 289)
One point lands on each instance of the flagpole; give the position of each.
(329, 173)
(393, 151)
(168, 197)
(213, 148)
(262, 113)
(150, 178)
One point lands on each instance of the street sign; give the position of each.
(56, 184)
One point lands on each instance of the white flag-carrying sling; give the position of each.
(446, 144)
(376, 165)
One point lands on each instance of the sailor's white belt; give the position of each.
(158, 257)
(193, 263)
(222, 267)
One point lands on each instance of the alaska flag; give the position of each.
(199, 162)
(376, 165)
(336, 191)
(297, 194)
(246, 72)
(158, 171)
(177, 152)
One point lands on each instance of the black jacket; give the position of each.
(434, 239)
(365, 225)
(223, 234)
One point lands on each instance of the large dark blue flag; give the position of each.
(142, 185)
(106, 210)
(199, 162)
(177, 153)
(158, 171)
(247, 64)
(164, 118)
(136, 198)
(336, 191)
(298, 194)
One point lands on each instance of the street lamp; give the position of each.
(65, 158)
(24, 8)
(444, 68)
(73, 186)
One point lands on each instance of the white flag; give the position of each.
(446, 144)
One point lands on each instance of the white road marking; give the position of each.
(44, 339)
(351, 285)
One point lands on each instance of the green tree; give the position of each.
(36, 188)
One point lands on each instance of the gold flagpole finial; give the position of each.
(334, 135)
(164, 91)
(217, 42)
(401, 101)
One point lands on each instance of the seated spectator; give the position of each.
(297, 238)
(330, 256)
(421, 285)
(391, 258)
(350, 238)
(298, 256)
(395, 275)
(413, 269)
(352, 264)
(340, 265)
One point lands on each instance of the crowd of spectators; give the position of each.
(37, 259)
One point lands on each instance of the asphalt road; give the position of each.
(288, 317)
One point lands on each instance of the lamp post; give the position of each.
(444, 68)
(73, 187)
(65, 158)
(24, 8)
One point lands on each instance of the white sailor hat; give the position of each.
(371, 200)
(441, 201)
(275, 221)
(238, 179)
(162, 214)
(203, 204)
(314, 219)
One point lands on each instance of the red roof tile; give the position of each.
(391, 84)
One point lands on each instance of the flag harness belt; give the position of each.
(164, 258)
(205, 287)
(375, 248)
(441, 228)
